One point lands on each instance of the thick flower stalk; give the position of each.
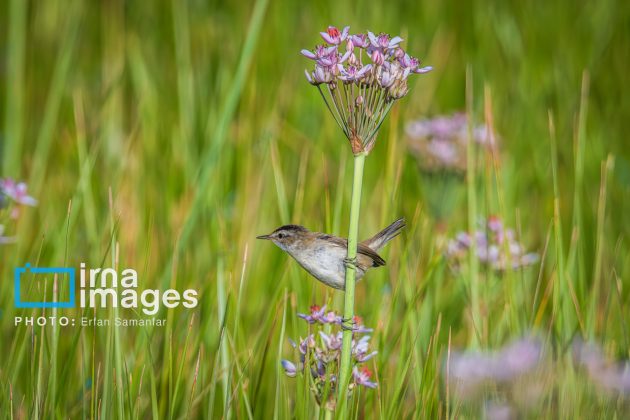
(320, 352)
(359, 77)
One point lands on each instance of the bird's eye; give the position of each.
(281, 235)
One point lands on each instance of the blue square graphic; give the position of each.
(43, 270)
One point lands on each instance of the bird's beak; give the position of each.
(263, 237)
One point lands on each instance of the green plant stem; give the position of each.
(473, 263)
(14, 100)
(328, 415)
(348, 307)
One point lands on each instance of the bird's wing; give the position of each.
(369, 252)
(377, 260)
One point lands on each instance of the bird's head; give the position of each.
(286, 237)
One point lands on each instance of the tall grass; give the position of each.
(165, 136)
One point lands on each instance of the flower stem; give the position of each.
(348, 310)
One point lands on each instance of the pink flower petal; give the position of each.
(308, 54)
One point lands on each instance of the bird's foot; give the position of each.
(350, 263)
(346, 327)
(347, 324)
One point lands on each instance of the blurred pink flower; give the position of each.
(12, 192)
(289, 368)
(495, 246)
(469, 370)
(440, 143)
(362, 377)
(16, 191)
(608, 376)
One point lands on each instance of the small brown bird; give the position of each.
(324, 256)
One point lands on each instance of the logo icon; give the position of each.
(17, 279)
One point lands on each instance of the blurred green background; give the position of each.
(178, 131)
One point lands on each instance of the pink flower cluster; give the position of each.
(359, 81)
(388, 67)
(320, 353)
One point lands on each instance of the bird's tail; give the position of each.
(377, 241)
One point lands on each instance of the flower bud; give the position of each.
(349, 45)
(399, 89)
(378, 58)
(353, 61)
